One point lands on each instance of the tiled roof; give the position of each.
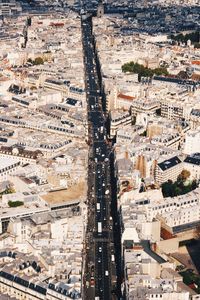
(126, 97)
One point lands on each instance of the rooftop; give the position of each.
(193, 159)
(7, 162)
(74, 192)
(169, 163)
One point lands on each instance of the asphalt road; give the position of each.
(98, 283)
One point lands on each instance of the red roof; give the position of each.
(196, 62)
(195, 77)
(192, 286)
(126, 97)
(57, 24)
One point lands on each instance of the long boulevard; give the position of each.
(99, 275)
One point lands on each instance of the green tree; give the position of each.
(15, 203)
(38, 61)
(167, 189)
(144, 133)
(160, 71)
(184, 175)
(170, 189)
(30, 60)
(193, 37)
(142, 71)
(194, 185)
(177, 190)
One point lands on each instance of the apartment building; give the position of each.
(192, 142)
(7, 167)
(22, 275)
(146, 155)
(169, 140)
(184, 216)
(123, 101)
(125, 134)
(179, 213)
(56, 85)
(145, 276)
(176, 211)
(192, 164)
(168, 170)
(20, 288)
(176, 109)
(8, 8)
(144, 105)
(195, 118)
(21, 154)
(119, 118)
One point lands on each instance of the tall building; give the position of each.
(9, 7)
(192, 142)
(168, 170)
(100, 10)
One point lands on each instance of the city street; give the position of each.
(98, 282)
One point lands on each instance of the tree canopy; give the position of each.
(179, 187)
(193, 37)
(143, 71)
(184, 175)
(36, 61)
(15, 203)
